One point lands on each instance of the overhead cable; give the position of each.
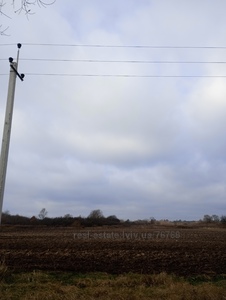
(122, 75)
(119, 61)
(118, 46)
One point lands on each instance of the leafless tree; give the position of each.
(207, 219)
(43, 214)
(22, 6)
(223, 220)
(96, 214)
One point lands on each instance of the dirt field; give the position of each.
(186, 252)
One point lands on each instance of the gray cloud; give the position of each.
(134, 147)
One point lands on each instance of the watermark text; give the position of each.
(127, 235)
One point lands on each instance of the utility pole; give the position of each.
(7, 125)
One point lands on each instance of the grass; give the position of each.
(42, 285)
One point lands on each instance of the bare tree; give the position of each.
(216, 218)
(207, 219)
(43, 213)
(223, 220)
(22, 6)
(68, 216)
(96, 214)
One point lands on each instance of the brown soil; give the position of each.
(186, 252)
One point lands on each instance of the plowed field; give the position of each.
(185, 252)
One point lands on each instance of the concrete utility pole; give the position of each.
(7, 125)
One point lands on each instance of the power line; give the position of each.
(127, 46)
(7, 44)
(118, 46)
(122, 75)
(119, 61)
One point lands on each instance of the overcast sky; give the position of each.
(136, 147)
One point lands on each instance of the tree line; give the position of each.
(97, 218)
(214, 219)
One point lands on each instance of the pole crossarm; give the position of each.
(21, 76)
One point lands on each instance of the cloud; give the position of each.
(206, 110)
(133, 147)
